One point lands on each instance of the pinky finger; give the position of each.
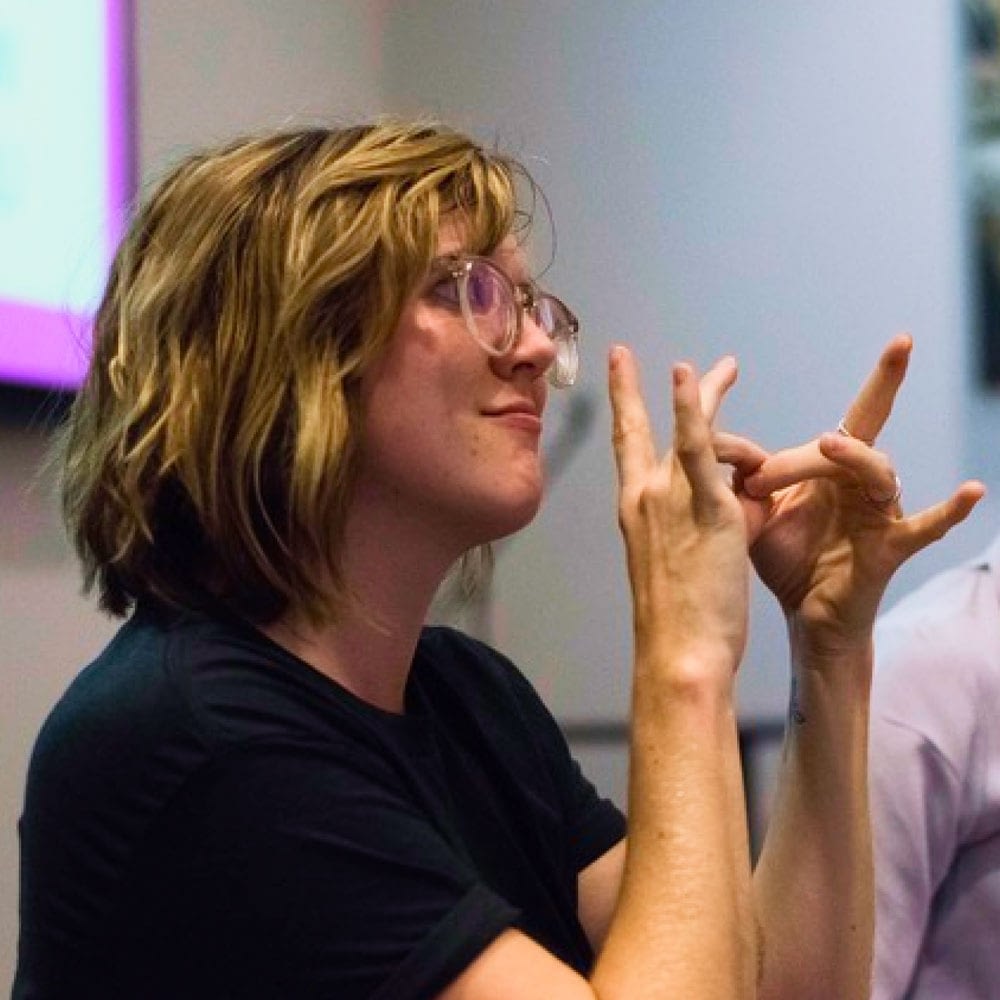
(744, 455)
(935, 522)
(714, 385)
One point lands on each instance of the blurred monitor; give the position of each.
(65, 179)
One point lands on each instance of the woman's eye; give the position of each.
(482, 291)
(445, 290)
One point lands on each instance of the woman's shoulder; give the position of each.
(472, 677)
(458, 658)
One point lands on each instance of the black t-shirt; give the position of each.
(208, 816)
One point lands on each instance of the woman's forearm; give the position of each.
(678, 927)
(813, 885)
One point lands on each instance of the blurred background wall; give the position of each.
(782, 181)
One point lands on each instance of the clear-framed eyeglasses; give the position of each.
(493, 307)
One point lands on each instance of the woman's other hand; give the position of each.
(827, 527)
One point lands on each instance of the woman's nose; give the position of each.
(533, 350)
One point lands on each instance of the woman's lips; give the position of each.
(518, 418)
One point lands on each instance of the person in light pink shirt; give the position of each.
(935, 788)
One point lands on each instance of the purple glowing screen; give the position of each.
(65, 179)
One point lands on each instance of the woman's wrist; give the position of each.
(699, 675)
(815, 644)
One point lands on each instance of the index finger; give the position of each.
(867, 415)
(786, 467)
(632, 436)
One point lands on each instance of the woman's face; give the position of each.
(451, 434)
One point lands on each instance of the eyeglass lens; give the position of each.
(491, 307)
(492, 314)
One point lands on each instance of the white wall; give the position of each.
(207, 71)
(779, 180)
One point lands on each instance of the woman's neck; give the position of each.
(392, 573)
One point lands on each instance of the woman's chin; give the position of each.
(510, 517)
(523, 515)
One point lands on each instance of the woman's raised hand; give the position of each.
(827, 529)
(684, 528)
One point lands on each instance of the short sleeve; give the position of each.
(595, 824)
(316, 871)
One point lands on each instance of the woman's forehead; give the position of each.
(509, 254)
(454, 237)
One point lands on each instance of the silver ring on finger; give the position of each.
(844, 432)
(883, 503)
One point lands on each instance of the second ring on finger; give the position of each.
(885, 502)
(876, 478)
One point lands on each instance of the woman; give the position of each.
(318, 381)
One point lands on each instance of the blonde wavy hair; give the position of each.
(210, 453)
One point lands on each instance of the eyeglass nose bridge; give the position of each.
(563, 366)
(525, 297)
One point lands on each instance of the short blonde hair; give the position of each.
(210, 453)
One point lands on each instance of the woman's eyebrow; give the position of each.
(515, 266)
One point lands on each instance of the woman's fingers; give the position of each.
(872, 469)
(867, 415)
(861, 425)
(714, 385)
(787, 467)
(745, 457)
(830, 456)
(919, 530)
(635, 449)
(741, 453)
(634, 441)
(693, 444)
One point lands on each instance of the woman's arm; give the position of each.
(813, 891)
(827, 550)
(678, 928)
(680, 925)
